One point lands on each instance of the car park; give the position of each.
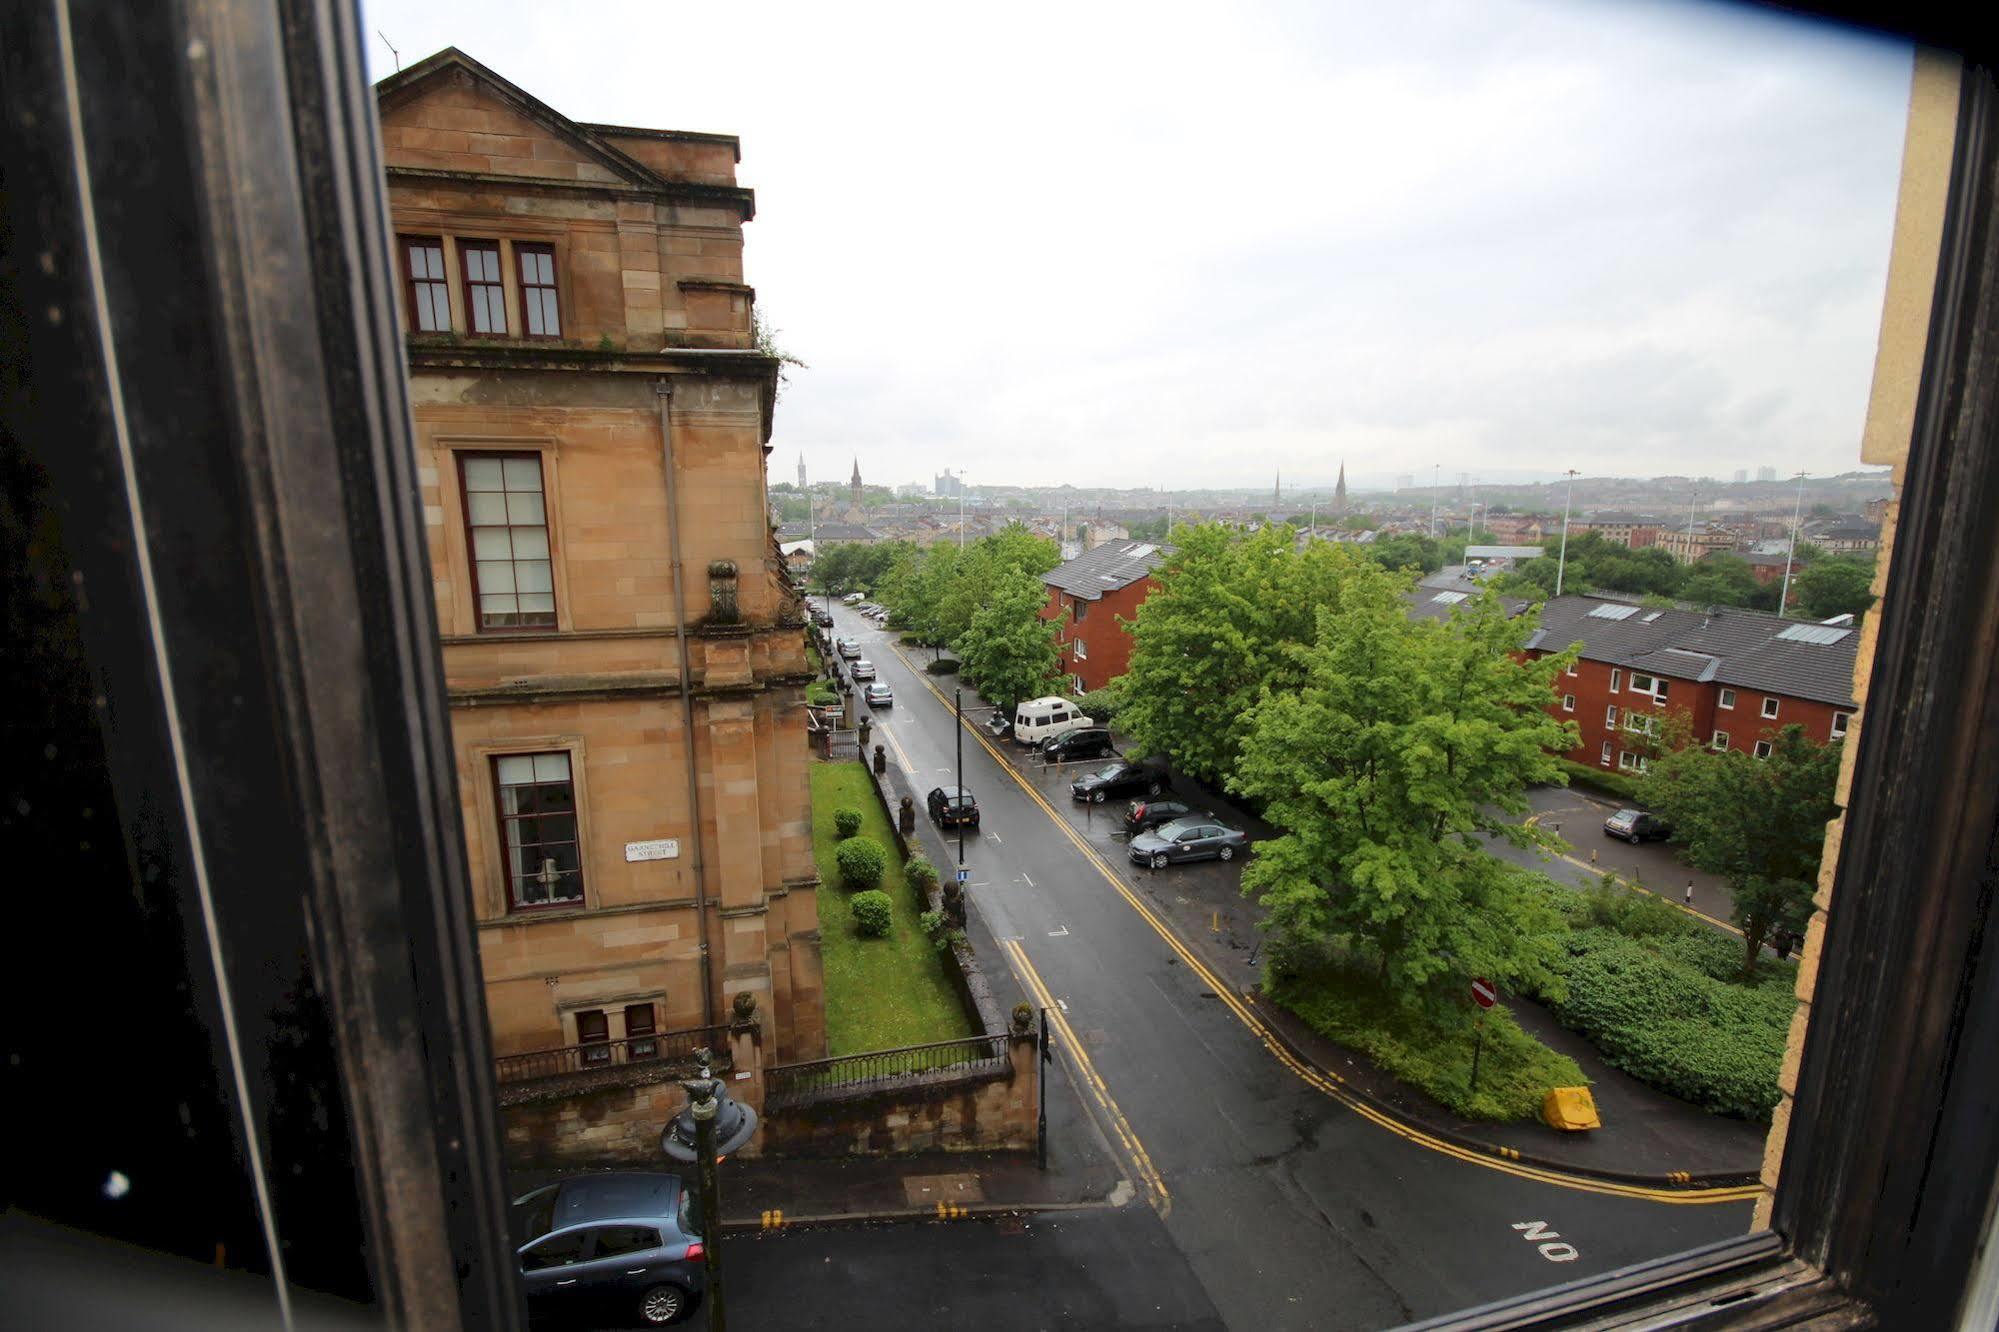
(848, 647)
(879, 695)
(1120, 778)
(863, 669)
(616, 1246)
(1143, 814)
(1195, 838)
(1081, 742)
(952, 806)
(1636, 825)
(1040, 718)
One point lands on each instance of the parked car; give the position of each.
(1143, 814)
(863, 669)
(1120, 778)
(1079, 742)
(951, 806)
(618, 1245)
(1196, 838)
(1038, 719)
(849, 647)
(1635, 826)
(853, 598)
(879, 695)
(823, 618)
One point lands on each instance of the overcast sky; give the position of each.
(1186, 246)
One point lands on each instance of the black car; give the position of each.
(1635, 826)
(951, 806)
(1080, 742)
(823, 618)
(618, 1245)
(1120, 778)
(1144, 814)
(1197, 837)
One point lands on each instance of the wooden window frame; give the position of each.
(467, 247)
(510, 903)
(600, 1024)
(650, 1028)
(459, 457)
(553, 285)
(404, 244)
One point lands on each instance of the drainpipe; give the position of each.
(664, 388)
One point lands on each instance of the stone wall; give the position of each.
(944, 1111)
(615, 1126)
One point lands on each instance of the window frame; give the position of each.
(595, 1043)
(1568, 702)
(1719, 742)
(459, 457)
(1726, 699)
(404, 243)
(1604, 760)
(467, 247)
(1841, 722)
(523, 287)
(1771, 707)
(1616, 676)
(510, 905)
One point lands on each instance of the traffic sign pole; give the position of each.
(1477, 1044)
(1485, 994)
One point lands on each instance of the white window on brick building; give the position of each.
(1616, 677)
(1770, 709)
(1605, 759)
(1727, 698)
(1720, 742)
(1568, 702)
(1764, 748)
(1631, 762)
(1840, 720)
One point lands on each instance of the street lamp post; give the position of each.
(712, 1126)
(1797, 513)
(1562, 564)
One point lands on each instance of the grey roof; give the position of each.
(1113, 565)
(1436, 595)
(1744, 648)
(844, 532)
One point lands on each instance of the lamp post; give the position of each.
(706, 1132)
(1562, 564)
(1797, 513)
(958, 705)
(1436, 481)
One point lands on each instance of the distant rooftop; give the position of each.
(1113, 565)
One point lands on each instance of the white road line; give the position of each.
(1024, 879)
(1062, 933)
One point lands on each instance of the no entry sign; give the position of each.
(1482, 992)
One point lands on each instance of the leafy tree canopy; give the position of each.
(1834, 586)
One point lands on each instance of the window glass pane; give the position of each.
(491, 543)
(539, 604)
(551, 323)
(503, 604)
(551, 767)
(523, 474)
(483, 474)
(533, 576)
(615, 1240)
(486, 508)
(555, 1251)
(496, 576)
(516, 769)
(524, 509)
(593, 1026)
(530, 543)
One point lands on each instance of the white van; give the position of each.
(1039, 718)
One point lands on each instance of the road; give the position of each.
(1288, 1207)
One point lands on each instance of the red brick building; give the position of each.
(1098, 588)
(1739, 676)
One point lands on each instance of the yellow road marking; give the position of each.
(1328, 1082)
(1599, 871)
(1120, 1127)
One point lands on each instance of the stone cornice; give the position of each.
(677, 192)
(541, 357)
(583, 689)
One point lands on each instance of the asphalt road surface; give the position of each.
(1288, 1208)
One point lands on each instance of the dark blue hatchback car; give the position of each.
(613, 1246)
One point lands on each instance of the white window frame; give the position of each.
(1720, 742)
(1764, 749)
(1572, 669)
(1610, 716)
(1770, 706)
(1640, 723)
(1650, 686)
(1840, 721)
(1605, 759)
(1568, 702)
(1082, 653)
(1630, 762)
(1727, 699)
(1616, 676)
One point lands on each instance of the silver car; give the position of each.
(1197, 838)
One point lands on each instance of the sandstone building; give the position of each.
(622, 648)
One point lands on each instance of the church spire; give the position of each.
(1277, 491)
(1340, 491)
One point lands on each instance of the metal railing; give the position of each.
(666, 1046)
(887, 1068)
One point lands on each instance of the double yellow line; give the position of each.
(1327, 1082)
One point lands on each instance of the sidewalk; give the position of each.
(1648, 1137)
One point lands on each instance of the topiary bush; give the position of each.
(862, 862)
(943, 666)
(821, 693)
(872, 913)
(922, 875)
(846, 822)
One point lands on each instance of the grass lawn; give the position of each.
(880, 993)
(1347, 1004)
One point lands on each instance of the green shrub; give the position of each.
(1659, 1008)
(943, 666)
(862, 862)
(821, 693)
(1102, 705)
(846, 822)
(922, 875)
(1428, 1049)
(872, 913)
(1636, 915)
(1611, 783)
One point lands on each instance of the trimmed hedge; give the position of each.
(862, 862)
(1612, 783)
(872, 913)
(942, 666)
(821, 693)
(922, 875)
(1662, 1009)
(846, 822)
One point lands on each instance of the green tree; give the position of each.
(1759, 823)
(1148, 529)
(1008, 649)
(1407, 745)
(1407, 550)
(1834, 586)
(1725, 579)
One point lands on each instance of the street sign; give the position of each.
(665, 848)
(964, 876)
(1482, 992)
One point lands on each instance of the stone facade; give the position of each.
(575, 316)
(1891, 414)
